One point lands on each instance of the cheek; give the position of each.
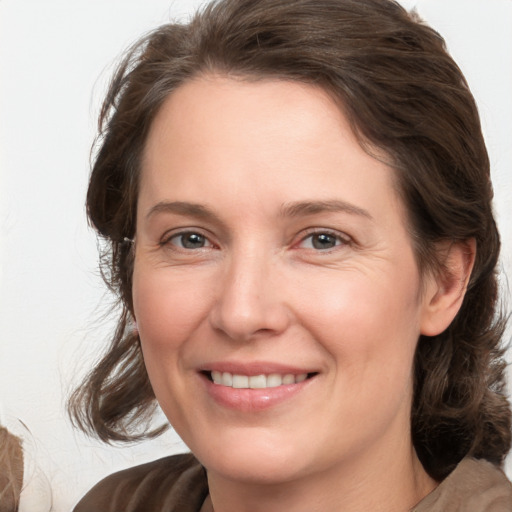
(366, 321)
(167, 309)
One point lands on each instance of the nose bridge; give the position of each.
(249, 301)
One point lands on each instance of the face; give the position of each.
(275, 288)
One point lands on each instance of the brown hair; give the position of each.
(404, 95)
(11, 471)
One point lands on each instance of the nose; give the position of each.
(250, 301)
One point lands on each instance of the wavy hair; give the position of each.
(405, 97)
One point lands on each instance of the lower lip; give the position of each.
(253, 400)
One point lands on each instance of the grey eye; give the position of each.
(323, 241)
(190, 241)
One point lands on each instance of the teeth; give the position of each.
(289, 379)
(227, 379)
(257, 381)
(240, 381)
(272, 380)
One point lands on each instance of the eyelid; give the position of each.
(175, 232)
(301, 237)
(340, 235)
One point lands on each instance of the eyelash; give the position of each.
(340, 239)
(167, 240)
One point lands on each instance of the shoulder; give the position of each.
(172, 483)
(473, 486)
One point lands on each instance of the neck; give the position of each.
(392, 486)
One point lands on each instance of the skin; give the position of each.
(306, 261)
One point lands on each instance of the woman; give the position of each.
(296, 205)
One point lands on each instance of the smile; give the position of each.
(256, 386)
(262, 381)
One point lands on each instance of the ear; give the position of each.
(445, 291)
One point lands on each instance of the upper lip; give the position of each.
(254, 368)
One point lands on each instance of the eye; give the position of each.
(322, 241)
(189, 240)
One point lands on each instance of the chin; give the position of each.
(254, 462)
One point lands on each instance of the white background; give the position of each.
(55, 59)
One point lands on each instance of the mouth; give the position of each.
(261, 381)
(257, 386)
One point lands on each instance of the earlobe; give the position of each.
(446, 290)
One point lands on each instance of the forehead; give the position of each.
(219, 139)
(226, 108)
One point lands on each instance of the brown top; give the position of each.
(171, 484)
(178, 484)
(473, 486)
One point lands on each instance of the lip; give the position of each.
(254, 368)
(253, 400)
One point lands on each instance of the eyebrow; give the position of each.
(183, 208)
(304, 208)
(293, 209)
